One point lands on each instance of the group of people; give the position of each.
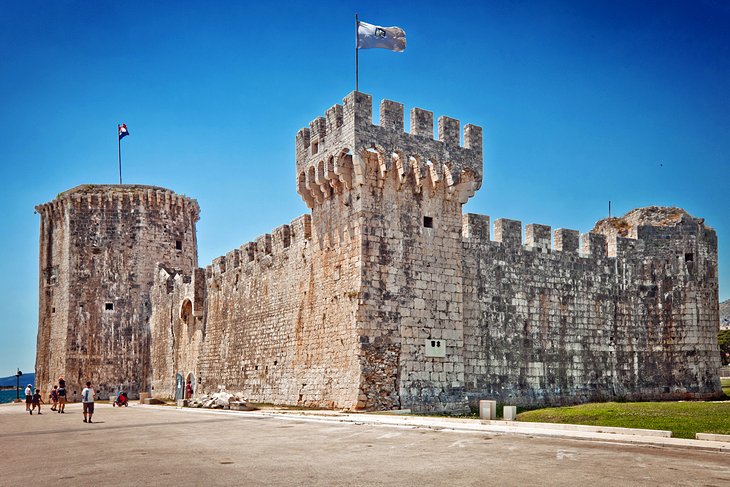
(32, 399)
(57, 396)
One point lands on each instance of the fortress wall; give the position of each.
(278, 318)
(547, 326)
(115, 237)
(176, 329)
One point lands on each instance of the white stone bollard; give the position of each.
(487, 409)
(510, 413)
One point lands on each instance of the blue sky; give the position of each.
(581, 103)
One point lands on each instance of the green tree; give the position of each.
(724, 338)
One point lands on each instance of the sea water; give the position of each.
(9, 396)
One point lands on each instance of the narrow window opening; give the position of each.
(689, 257)
(275, 362)
(315, 147)
(428, 222)
(109, 306)
(178, 244)
(53, 310)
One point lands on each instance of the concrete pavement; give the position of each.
(163, 445)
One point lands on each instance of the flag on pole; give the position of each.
(123, 132)
(371, 36)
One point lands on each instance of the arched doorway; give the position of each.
(179, 387)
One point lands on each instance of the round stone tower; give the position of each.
(99, 248)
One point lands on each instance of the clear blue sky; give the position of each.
(581, 102)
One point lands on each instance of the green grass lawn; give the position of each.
(683, 419)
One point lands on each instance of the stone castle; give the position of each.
(386, 296)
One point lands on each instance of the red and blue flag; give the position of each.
(123, 132)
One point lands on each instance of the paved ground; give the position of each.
(165, 446)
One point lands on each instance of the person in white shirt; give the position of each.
(28, 397)
(87, 399)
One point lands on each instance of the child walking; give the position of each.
(54, 397)
(37, 400)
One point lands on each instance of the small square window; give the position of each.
(109, 306)
(689, 257)
(428, 222)
(178, 244)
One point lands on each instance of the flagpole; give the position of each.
(357, 61)
(119, 154)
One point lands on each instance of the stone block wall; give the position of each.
(555, 327)
(277, 318)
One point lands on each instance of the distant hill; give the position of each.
(725, 315)
(25, 379)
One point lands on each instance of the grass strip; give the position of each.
(683, 419)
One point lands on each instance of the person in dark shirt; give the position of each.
(61, 395)
(37, 400)
(54, 397)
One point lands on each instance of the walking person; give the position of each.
(87, 399)
(61, 395)
(188, 390)
(28, 397)
(54, 397)
(37, 400)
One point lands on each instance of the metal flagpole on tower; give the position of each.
(119, 153)
(357, 61)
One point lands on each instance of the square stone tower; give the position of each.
(402, 193)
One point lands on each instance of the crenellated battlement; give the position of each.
(605, 240)
(265, 247)
(94, 196)
(333, 153)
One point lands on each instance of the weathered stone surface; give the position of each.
(335, 309)
(99, 249)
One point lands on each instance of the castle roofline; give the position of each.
(655, 216)
(85, 192)
(110, 188)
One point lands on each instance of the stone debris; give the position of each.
(221, 400)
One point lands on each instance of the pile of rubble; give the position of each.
(221, 400)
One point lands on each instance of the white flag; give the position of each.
(371, 36)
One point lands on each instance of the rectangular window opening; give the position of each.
(428, 222)
(689, 257)
(178, 244)
(109, 306)
(315, 147)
